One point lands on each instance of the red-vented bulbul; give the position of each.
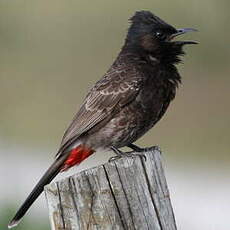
(126, 102)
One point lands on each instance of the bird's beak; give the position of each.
(183, 31)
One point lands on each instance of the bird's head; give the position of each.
(149, 34)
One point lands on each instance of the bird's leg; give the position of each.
(117, 152)
(139, 149)
(120, 154)
(135, 148)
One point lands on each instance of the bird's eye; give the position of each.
(160, 35)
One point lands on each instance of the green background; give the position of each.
(51, 52)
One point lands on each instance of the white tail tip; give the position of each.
(13, 223)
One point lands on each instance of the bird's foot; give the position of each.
(139, 149)
(120, 154)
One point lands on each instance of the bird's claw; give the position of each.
(121, 154)
(114, 158)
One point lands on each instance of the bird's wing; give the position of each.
(117, 88)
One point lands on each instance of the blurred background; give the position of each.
(51, 52)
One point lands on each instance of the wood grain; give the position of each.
(125, 194)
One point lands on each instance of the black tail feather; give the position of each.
(53, 170)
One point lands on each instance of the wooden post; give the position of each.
(125, 194)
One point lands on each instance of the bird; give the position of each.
(126, 102)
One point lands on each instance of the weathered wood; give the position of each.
(129, 193)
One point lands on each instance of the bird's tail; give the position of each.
(62, 163)
(47, 177)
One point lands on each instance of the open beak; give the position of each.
(183, 31)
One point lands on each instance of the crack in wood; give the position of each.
(92, 196)
(114, 197)
(126, 194)
(73, 191)
(60, 206)
(151, 195)
(129, 206)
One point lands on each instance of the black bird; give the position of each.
(126, 102)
